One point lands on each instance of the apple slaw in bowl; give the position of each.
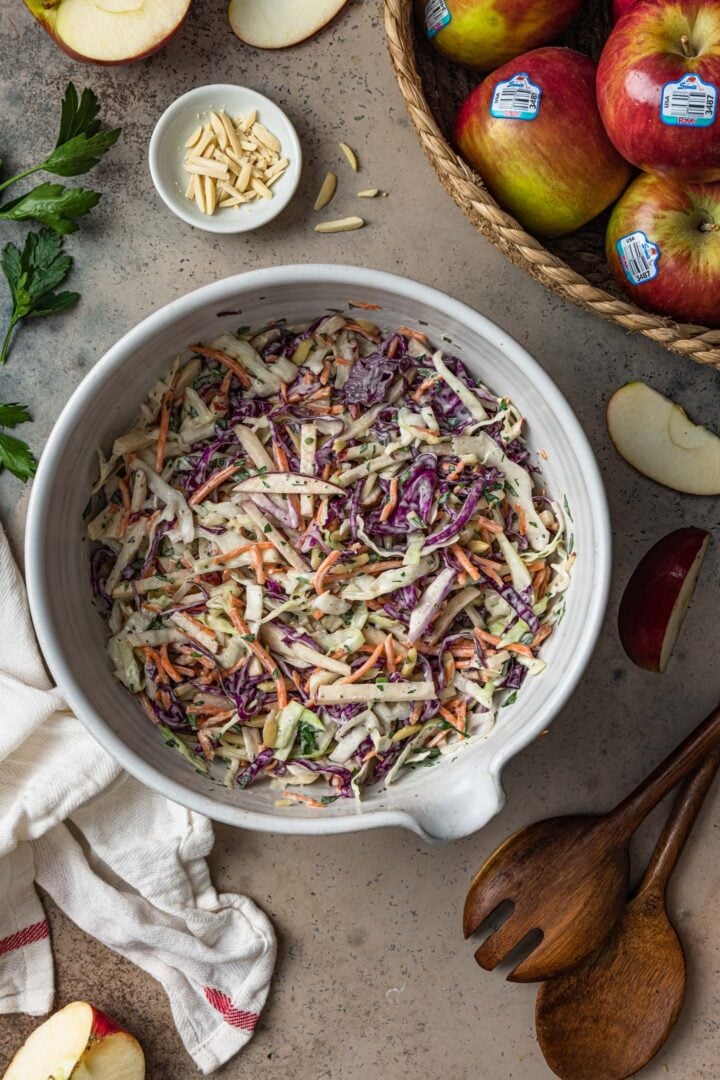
(324, 554)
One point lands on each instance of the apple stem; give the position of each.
(686, 48)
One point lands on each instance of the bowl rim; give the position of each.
(220, 292)
(218, 225)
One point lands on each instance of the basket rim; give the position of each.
(465, 186)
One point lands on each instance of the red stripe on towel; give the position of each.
(238, 1018)
(28, 936)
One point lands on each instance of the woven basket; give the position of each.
(573, 266)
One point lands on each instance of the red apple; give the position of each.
(533, 132)
(109, 31)
(657, 596)
(82, 1042)
(663, 246)
(658, 87)
(487, 33)
(621, 7)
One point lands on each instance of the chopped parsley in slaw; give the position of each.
(324, 555)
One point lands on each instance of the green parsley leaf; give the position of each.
(567, 507)
(12, 415)
(56, 206)
(17, 457)
(511, 699)
(33, 275)
(308, 739)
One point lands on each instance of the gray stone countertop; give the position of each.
(373, 977)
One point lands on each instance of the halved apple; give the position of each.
(110, 31)
(80, 1042)
(656, 437)
(657, 596)
(281, 23)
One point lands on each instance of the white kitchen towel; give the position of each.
(125, 864)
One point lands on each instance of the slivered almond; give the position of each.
(231, 132)
(199, 194)
(234, 201)
(327, 191)
(278, 167)
(249, 120)
(190, 189)
(350, 155)
(207, 167)
(195, 137)
(266, 137)
(219, 128)
(205, 139)
(369, 194)
(341, 225)
(245, 177)
(210, 194)
(262, 189)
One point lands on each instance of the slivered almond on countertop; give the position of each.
(340, 225)
(327, 191)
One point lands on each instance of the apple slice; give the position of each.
(656, 437)
(110, 31)
(657, 596)
(281, 23)
(79, 1042)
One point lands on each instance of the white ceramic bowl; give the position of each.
(167, 151)
(460, 793)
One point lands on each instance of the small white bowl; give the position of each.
(167, 151)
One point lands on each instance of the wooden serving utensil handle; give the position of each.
(626, 817)
(678, 827)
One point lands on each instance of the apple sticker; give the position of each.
(516, 98)
(437, 16)
(688, 103)
(639, 257)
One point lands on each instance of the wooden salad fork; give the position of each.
(607, 1018)
(567, 877)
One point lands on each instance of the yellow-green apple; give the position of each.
(533, 132)
(657, 438)
(658, 85)
(487, 33)
(110, 31)
(657, 596)
(80, 1042)
(663, 246)
(281, 23)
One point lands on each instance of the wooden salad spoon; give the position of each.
(607, 1018)
(567, 877)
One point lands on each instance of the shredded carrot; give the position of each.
(424, 387)
(393, 348)
(490, 569)
(485, 638)
(407, 332)
(451, 719)
(522, 519)
(543, 633)
(213, 482)
(364, 668)
(390, 654)
(355, 329)
(425, 431)
(227, 361)
(327, 564)
(281, 458)
(366, 307)
(464, 561)
(521, 650)
(257, 563)
(227, 556)
(457, 472)
(168, 665)
(325, 373)
(295, 797)
(488, 525)
(162, 433)
(391, 503)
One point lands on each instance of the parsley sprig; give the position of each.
(35, 272)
